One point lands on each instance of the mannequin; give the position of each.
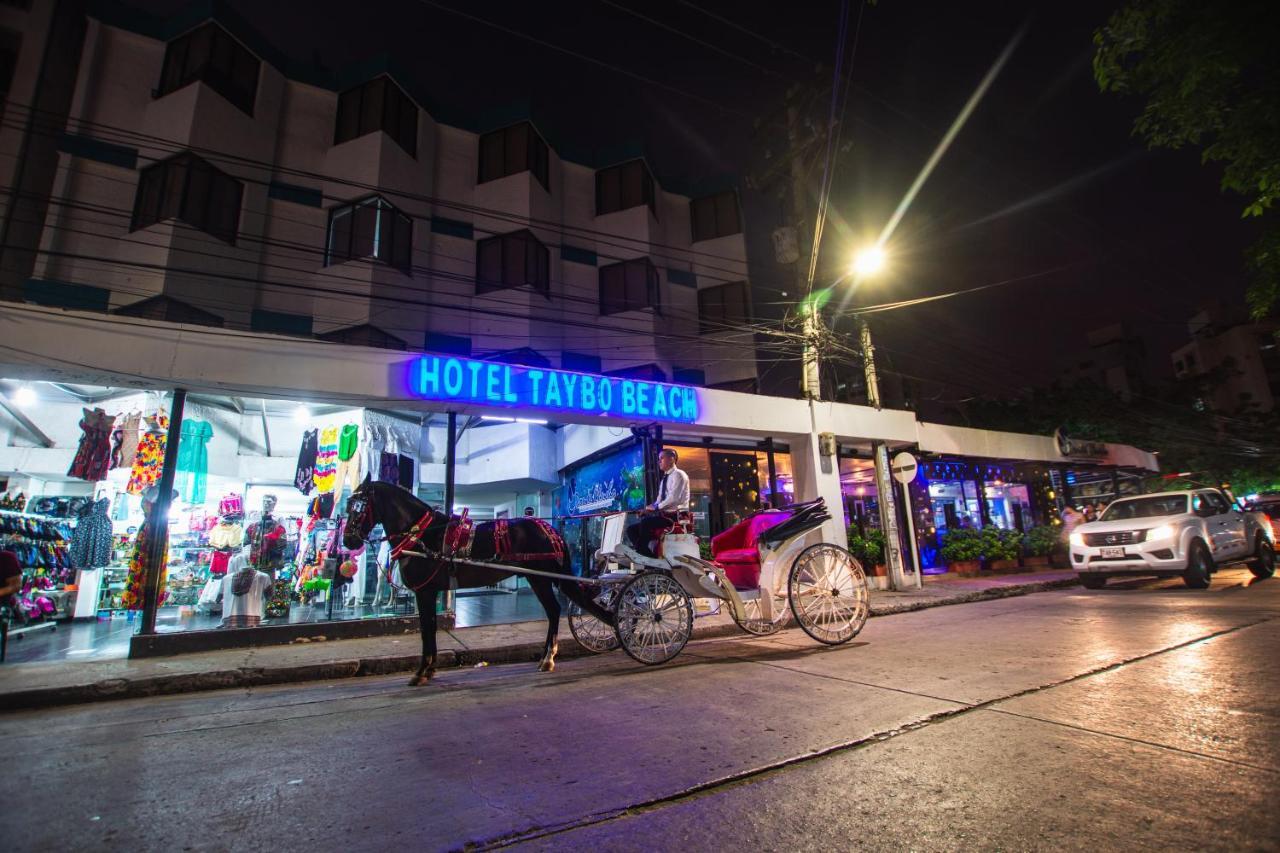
(266, 541)
(244, 593)
(226, 536)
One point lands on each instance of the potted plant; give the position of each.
(1001, 548)
(1039, 543)
(962, 550)
(868, 549)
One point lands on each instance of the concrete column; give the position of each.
(819, 476)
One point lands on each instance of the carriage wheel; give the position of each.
(755, 623)
(829, 594)
(655, 617)
(592, 634)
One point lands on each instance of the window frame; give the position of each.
(718, 213)
(648, 191)
(157, 198)
(708, 324)
(385, 247)
(534, 252)
(536, 155)
(395, 114)
(652, 281)
(216, 47)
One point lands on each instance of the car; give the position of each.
(1270, 507)
(1185, 534)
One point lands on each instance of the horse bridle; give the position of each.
(407, 543)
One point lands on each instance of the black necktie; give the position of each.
(662, 490)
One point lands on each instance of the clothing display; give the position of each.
(231, 506)
(226, 534)
(150, 456)
(133, 593)
(219, 562)
(305, 475)
(327, 460)
(349, 468)
(124, 440)
(193, 461)
(244, 592)
(93, 458)
(91, 540)
(267, 544)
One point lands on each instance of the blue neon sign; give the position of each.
(489, 383)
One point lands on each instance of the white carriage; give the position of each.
(761, 571)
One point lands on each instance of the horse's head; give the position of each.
(361, 515)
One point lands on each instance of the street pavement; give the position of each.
(1141, 716)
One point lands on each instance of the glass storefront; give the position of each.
(729, 484)
(861, 497)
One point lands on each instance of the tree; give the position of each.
(1210, 73)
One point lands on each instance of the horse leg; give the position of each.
(547, 596)
(427, 625)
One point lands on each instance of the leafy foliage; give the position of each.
(991, 543)
(1211, 79)
(1040, 541)
(868, 549)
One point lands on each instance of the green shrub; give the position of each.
(990, 543)
(867, 549)
(1041, 541)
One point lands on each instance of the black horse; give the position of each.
(520, 543)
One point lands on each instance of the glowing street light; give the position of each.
(869, 261)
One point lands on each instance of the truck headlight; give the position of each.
(1076, 538)
(1164, 531)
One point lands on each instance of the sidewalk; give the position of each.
(36, 685)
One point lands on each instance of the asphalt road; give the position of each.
(1141, 716)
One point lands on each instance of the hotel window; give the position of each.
(723, 307)
(629, 286)
(715, 216)
(370, 228)
(512, 260)
(624, 186)
(210, 55)
(378, 105)
(187, 188)
(511, 151)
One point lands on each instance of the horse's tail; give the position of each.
(579, 594)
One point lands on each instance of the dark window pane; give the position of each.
(611, 289)
(175, 186)
(727, 214)
(224, 208)
(491, 156)
(371, 107)
(655, 287)
(540, 161)
(408, 134)
(363, 229)
(513, 250)
(195, 203)
(175, 58)
(516, 155)
(608, 191)
(703, 213)
(150, 196)
(348, 125)
(340, 235)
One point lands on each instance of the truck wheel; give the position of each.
(1263, 564)
(1199, 565)
(1093, 581)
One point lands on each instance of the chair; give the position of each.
(736, 552)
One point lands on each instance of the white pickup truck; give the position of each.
(1169, 534)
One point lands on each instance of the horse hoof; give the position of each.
(547, 666)
(421, 678)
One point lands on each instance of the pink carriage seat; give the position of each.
(735, 549)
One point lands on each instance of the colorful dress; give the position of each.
(150, 457)
(124, 440)
(327, 460)
(93, 458)
(91, 541)
(136, 583)
(193, 461)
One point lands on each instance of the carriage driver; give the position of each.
(673, 498)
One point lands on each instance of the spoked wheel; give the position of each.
(756, 623)
(655, 618)
(592, 634)
(829, 594)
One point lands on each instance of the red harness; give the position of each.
(502, 542)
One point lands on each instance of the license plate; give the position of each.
(1110, 553)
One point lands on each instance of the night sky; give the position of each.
(1045, 175)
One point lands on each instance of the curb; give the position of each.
(168, 685)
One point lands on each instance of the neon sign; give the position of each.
(489, 383)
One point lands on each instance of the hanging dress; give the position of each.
(124, 440)
(91, 541)
(305, 476)
(150, 456)
(327, 460)
(136, 582)
(93, 458)
(193, 461)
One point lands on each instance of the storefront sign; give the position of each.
(904, 467)
(513, 386)
(1074, 448)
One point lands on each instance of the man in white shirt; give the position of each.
(673, 498)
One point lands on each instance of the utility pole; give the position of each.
(886, 490)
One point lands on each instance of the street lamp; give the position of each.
(869, 261)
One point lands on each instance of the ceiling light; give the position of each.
(24, 396)
(302, 413)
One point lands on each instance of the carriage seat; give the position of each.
(735, 549)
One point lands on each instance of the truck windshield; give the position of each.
(1152, 507)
